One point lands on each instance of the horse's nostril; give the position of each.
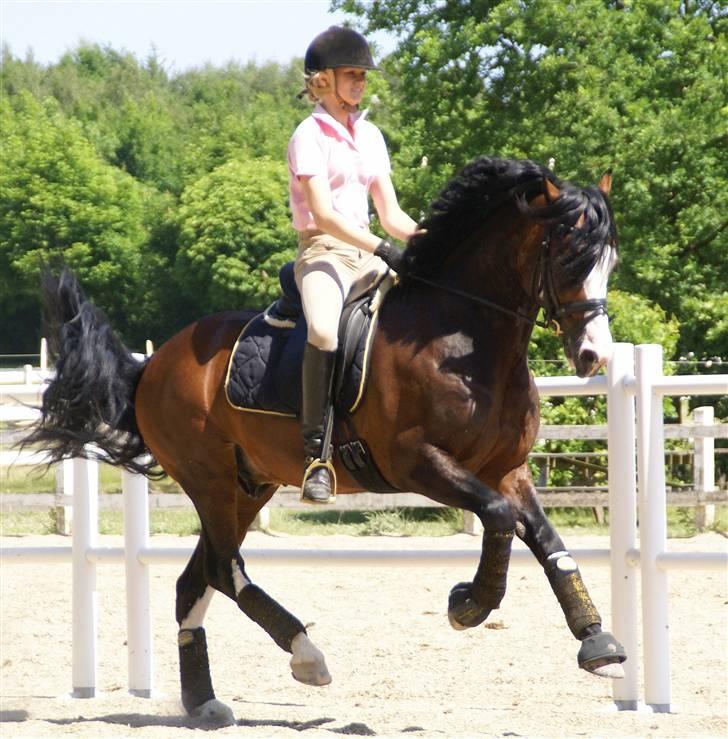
(589, 363)
(588, 357)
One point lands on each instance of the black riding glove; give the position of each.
(391, 254)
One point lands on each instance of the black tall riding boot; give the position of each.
(319, 482)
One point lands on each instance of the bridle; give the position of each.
(543, 287)
(553, 309)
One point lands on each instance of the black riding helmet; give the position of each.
(338, 47)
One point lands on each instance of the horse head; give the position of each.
(578, 253)
(511, 237)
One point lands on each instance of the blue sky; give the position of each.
(184, 33)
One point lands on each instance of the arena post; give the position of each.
(654, 559)
(85, 601)
(623, 517)
(135, 490)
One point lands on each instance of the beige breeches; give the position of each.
(326, 269)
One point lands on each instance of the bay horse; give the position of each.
(450, 412)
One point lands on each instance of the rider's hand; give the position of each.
(391, 254)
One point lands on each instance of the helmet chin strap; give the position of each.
(348, 107)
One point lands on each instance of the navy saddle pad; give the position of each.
(264, 373)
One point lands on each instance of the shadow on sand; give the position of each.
(138, 720)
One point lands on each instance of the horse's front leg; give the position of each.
(440, 477)
(600, 653)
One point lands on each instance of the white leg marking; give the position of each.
(564, 561)
(239, 579)
(195, 618)
(307, 663)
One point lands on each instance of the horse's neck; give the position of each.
(498, 266)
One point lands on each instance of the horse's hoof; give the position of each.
(602, 655)
(214, 712)
(602, 668)
(311, 674)
(307, 663)
(462, 611)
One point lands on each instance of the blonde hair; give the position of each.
(317, 84)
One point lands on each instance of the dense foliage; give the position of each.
(168, 192)
(636, 86)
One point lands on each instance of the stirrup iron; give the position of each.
(317, 464)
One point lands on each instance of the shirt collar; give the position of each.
(322, 116)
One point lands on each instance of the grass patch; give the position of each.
(32, 523)
(24, 479)
(394, 522)
(176, 523)
(680, 521)
(27, 523)
(571, 521)
(448, 521)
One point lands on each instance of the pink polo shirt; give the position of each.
(321, 145)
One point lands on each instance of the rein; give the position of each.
(481, 301)
(542, 282)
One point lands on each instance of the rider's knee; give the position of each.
(322, 335)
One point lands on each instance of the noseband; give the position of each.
(543, 285)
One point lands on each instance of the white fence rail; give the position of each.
(634, 386)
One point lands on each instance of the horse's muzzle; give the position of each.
(588, 362)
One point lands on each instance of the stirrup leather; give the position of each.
(315, 464)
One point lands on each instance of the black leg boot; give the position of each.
(319, 483)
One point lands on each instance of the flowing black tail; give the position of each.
(88, 408)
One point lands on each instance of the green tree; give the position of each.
(236, 112)
(165, 131)
(59, 201)
(234, 235)
(637, 86)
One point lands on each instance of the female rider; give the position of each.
(336, 159)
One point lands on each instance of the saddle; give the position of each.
(264, 371)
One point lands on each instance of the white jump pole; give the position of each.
(652, 527)
(623, 519)
(84, 599)
(138, 608)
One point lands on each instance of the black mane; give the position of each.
(487, 184)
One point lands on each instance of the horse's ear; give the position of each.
(605, 184)
(550, 191)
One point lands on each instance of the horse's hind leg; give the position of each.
(193, 599)
(218, 565)
(307, 662)
(600, 653)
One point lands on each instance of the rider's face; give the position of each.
(351, 82)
